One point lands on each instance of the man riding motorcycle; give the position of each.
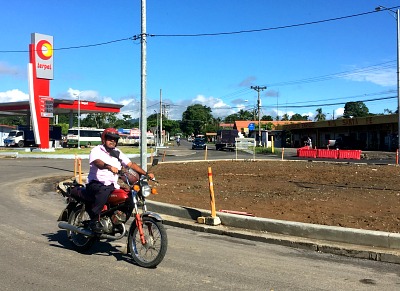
(105, 162)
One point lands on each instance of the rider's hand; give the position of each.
(150, 175)
(114, 170)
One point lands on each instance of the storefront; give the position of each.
(364, 133)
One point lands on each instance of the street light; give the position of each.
(397, 17)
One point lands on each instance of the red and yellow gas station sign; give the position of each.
(40, 72)
(43, 45)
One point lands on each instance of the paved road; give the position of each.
(175, 153)
(35, 254)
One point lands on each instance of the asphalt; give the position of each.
(357, 243)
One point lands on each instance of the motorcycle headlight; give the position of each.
(146, 190)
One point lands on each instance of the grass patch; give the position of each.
(83, 151)
(267, 151)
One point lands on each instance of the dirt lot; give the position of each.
(348, 195)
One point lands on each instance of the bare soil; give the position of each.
(335, 194)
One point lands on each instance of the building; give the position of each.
(249, 128)
(378, 132)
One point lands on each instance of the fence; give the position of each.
(306, 152)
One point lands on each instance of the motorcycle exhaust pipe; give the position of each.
(87, 232)
(67, 226)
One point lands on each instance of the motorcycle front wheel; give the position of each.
(79, 241)
(152, 252)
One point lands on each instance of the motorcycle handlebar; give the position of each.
(123, 171)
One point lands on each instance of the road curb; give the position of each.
(375, 245)
(349, 250)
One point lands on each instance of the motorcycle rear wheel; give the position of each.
(150, 254)
(79, 241)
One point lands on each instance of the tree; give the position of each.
(355, 109)
(125, 122)
(231, 118)
(195, 119)
(241, 115)
(320, 116)
(285, 117)
(298, 117)
(267, 118)
(100, 120)
(171, 126)
(13, 120)
(245, 115)
(269, 126)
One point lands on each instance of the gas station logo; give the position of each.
(44, 55)
(44, 49)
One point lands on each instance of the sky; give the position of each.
(309, 54)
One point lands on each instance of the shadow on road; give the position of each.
(100, 248)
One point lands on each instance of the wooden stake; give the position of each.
(75, 166)
(80, 170)
(212, 198)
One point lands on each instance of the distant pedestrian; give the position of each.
(309, 142)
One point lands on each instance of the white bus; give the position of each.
(88, 136)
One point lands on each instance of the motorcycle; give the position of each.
(147, 237)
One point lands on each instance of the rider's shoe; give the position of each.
(96, 226)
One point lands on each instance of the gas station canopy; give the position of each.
(61, 106)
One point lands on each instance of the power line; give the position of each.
(381, 66)
(270, 28)
(339, 103)
(348, 97)
(138, 36)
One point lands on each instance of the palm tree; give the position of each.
(320, 116)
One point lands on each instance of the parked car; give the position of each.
(199, 143)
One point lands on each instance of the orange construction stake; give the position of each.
(212, 198)
(80, 170)
(283, 152)
(397, 156)
(75, 166)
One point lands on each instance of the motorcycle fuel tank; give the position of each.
(118, 196)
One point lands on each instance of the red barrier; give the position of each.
(306, 153)
(327, 154)
(349, 154)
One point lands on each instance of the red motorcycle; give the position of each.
(147, 238)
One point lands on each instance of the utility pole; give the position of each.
(161, 136)
(143, 115)
(258, 89)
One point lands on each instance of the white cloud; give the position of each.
(218, 107)
(339, 112)
(87, 95)
(14, 95)
(383, 77)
